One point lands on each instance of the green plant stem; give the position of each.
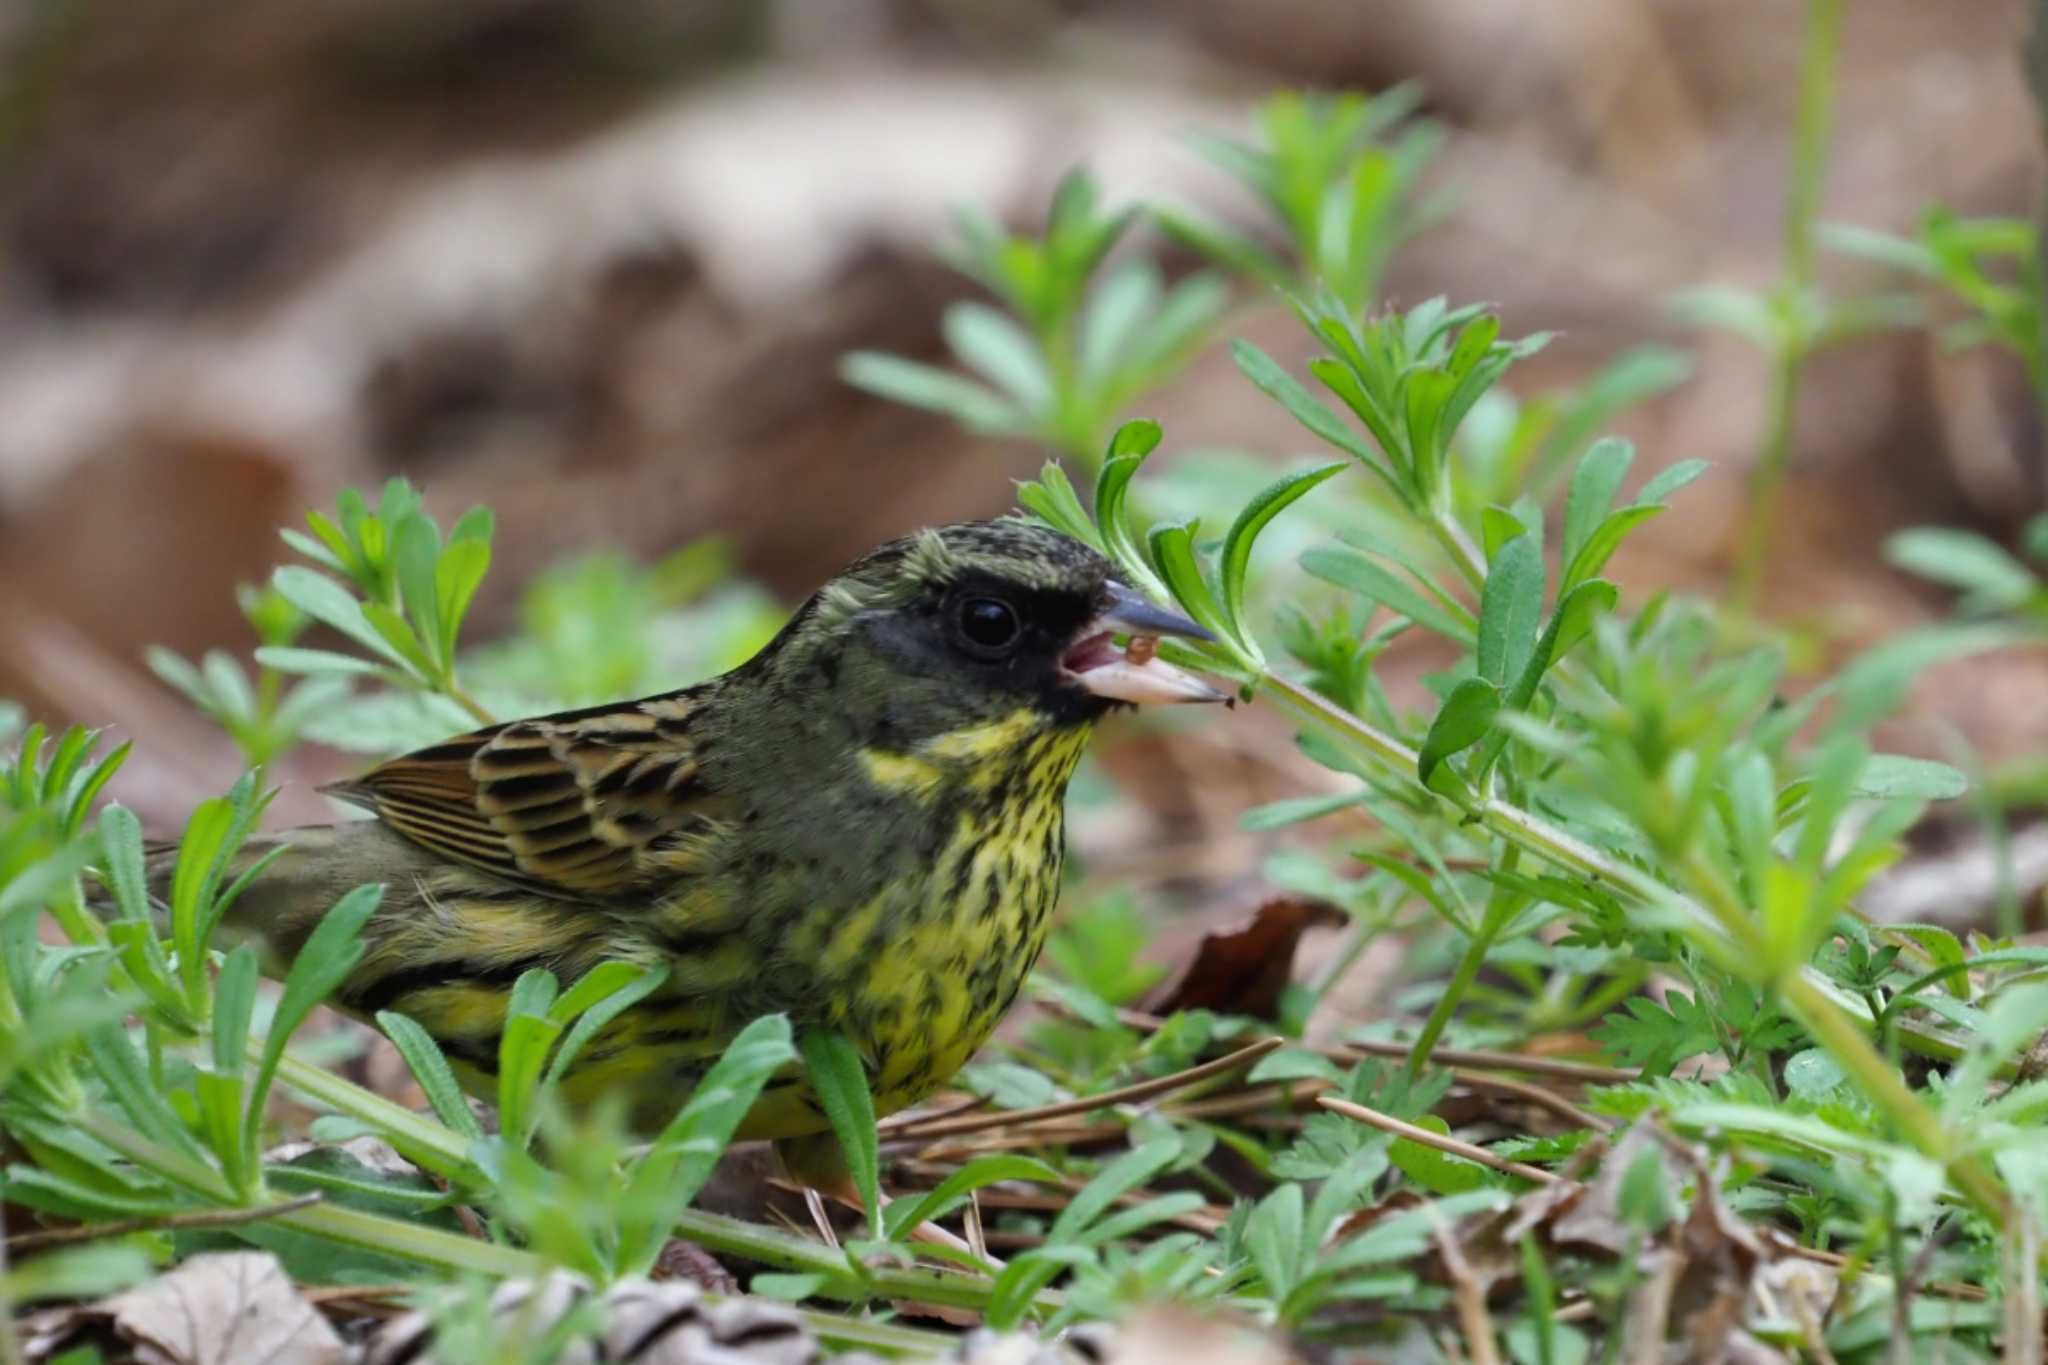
(1767, 480)
(392, 1236)
(455, 693)
(1795, 287)
(1457, 543)
(1887, 1089)
(1501, 907)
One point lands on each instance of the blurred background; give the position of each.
(597, 264)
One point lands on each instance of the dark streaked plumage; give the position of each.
(860, 827)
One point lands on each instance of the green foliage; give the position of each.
(1337, 174)
(396, 590)
(1595, 793)
(1990, 266)
(1083, 338)
(599, 628)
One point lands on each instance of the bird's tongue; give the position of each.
(1138, 675)
(1094, 651)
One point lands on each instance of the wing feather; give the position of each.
(567, 804)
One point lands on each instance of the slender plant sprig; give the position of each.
(1406, 455)
(1796, 318)
(261, 715)
(392, 587)
(1511, 448)
(1992, 581)
(1991, 266)
(1081, 341)
(46, 796)
(1410, 379)
(1338, 174)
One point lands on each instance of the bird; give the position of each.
(861, 828)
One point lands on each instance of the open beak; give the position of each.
(1135, 673)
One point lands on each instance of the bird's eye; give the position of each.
(988, 625)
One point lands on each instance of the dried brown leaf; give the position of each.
(1242, 970)
(230, 1308)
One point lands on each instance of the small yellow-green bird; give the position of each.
(860, 827)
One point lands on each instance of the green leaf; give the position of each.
(177, 671)
(1234, 252)
(1605, 540)
(1273, 1239)
(84, 1272)
(1656, 1037)
(1583, 605)
(1498, 526)
(332, 550)
(1653, 493)
(1272, 500)
(1645, 1197)
(429, 1066)
(1744, 312)
(234, 1005)
(128, 1080)
(315, 662)
(1436, 1171)
(95, 781)
(1116, 310)
(529, 1036)
(218, 1099)
(478, 523)
(973, 405)
(788, 1288)
(1111, 1183)
(1009, 1085)
(1813, 1074)
(327, 602)
(329, 955)
(1463, 720)
(907, 1212)
(1303, 406)
(398, 634)
(991, 344)
(1594, 484)
(415, 551)
(1054, 501)
(1294, 810)
(1348, 567)
(200, 852)
(1293, 1064)
(676, 1166)
(1173, 554)
(122, 859)
(1993, 579)
(623, 985)
(839, 1079)
(1510, 606)
(1028, 1273)
(456, 578)
(1894, 777)
(1128, 448)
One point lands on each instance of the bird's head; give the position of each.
(973, 623)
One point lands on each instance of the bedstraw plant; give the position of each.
(1596, 795)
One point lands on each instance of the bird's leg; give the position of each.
(820, 1219)
(816, 1165)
